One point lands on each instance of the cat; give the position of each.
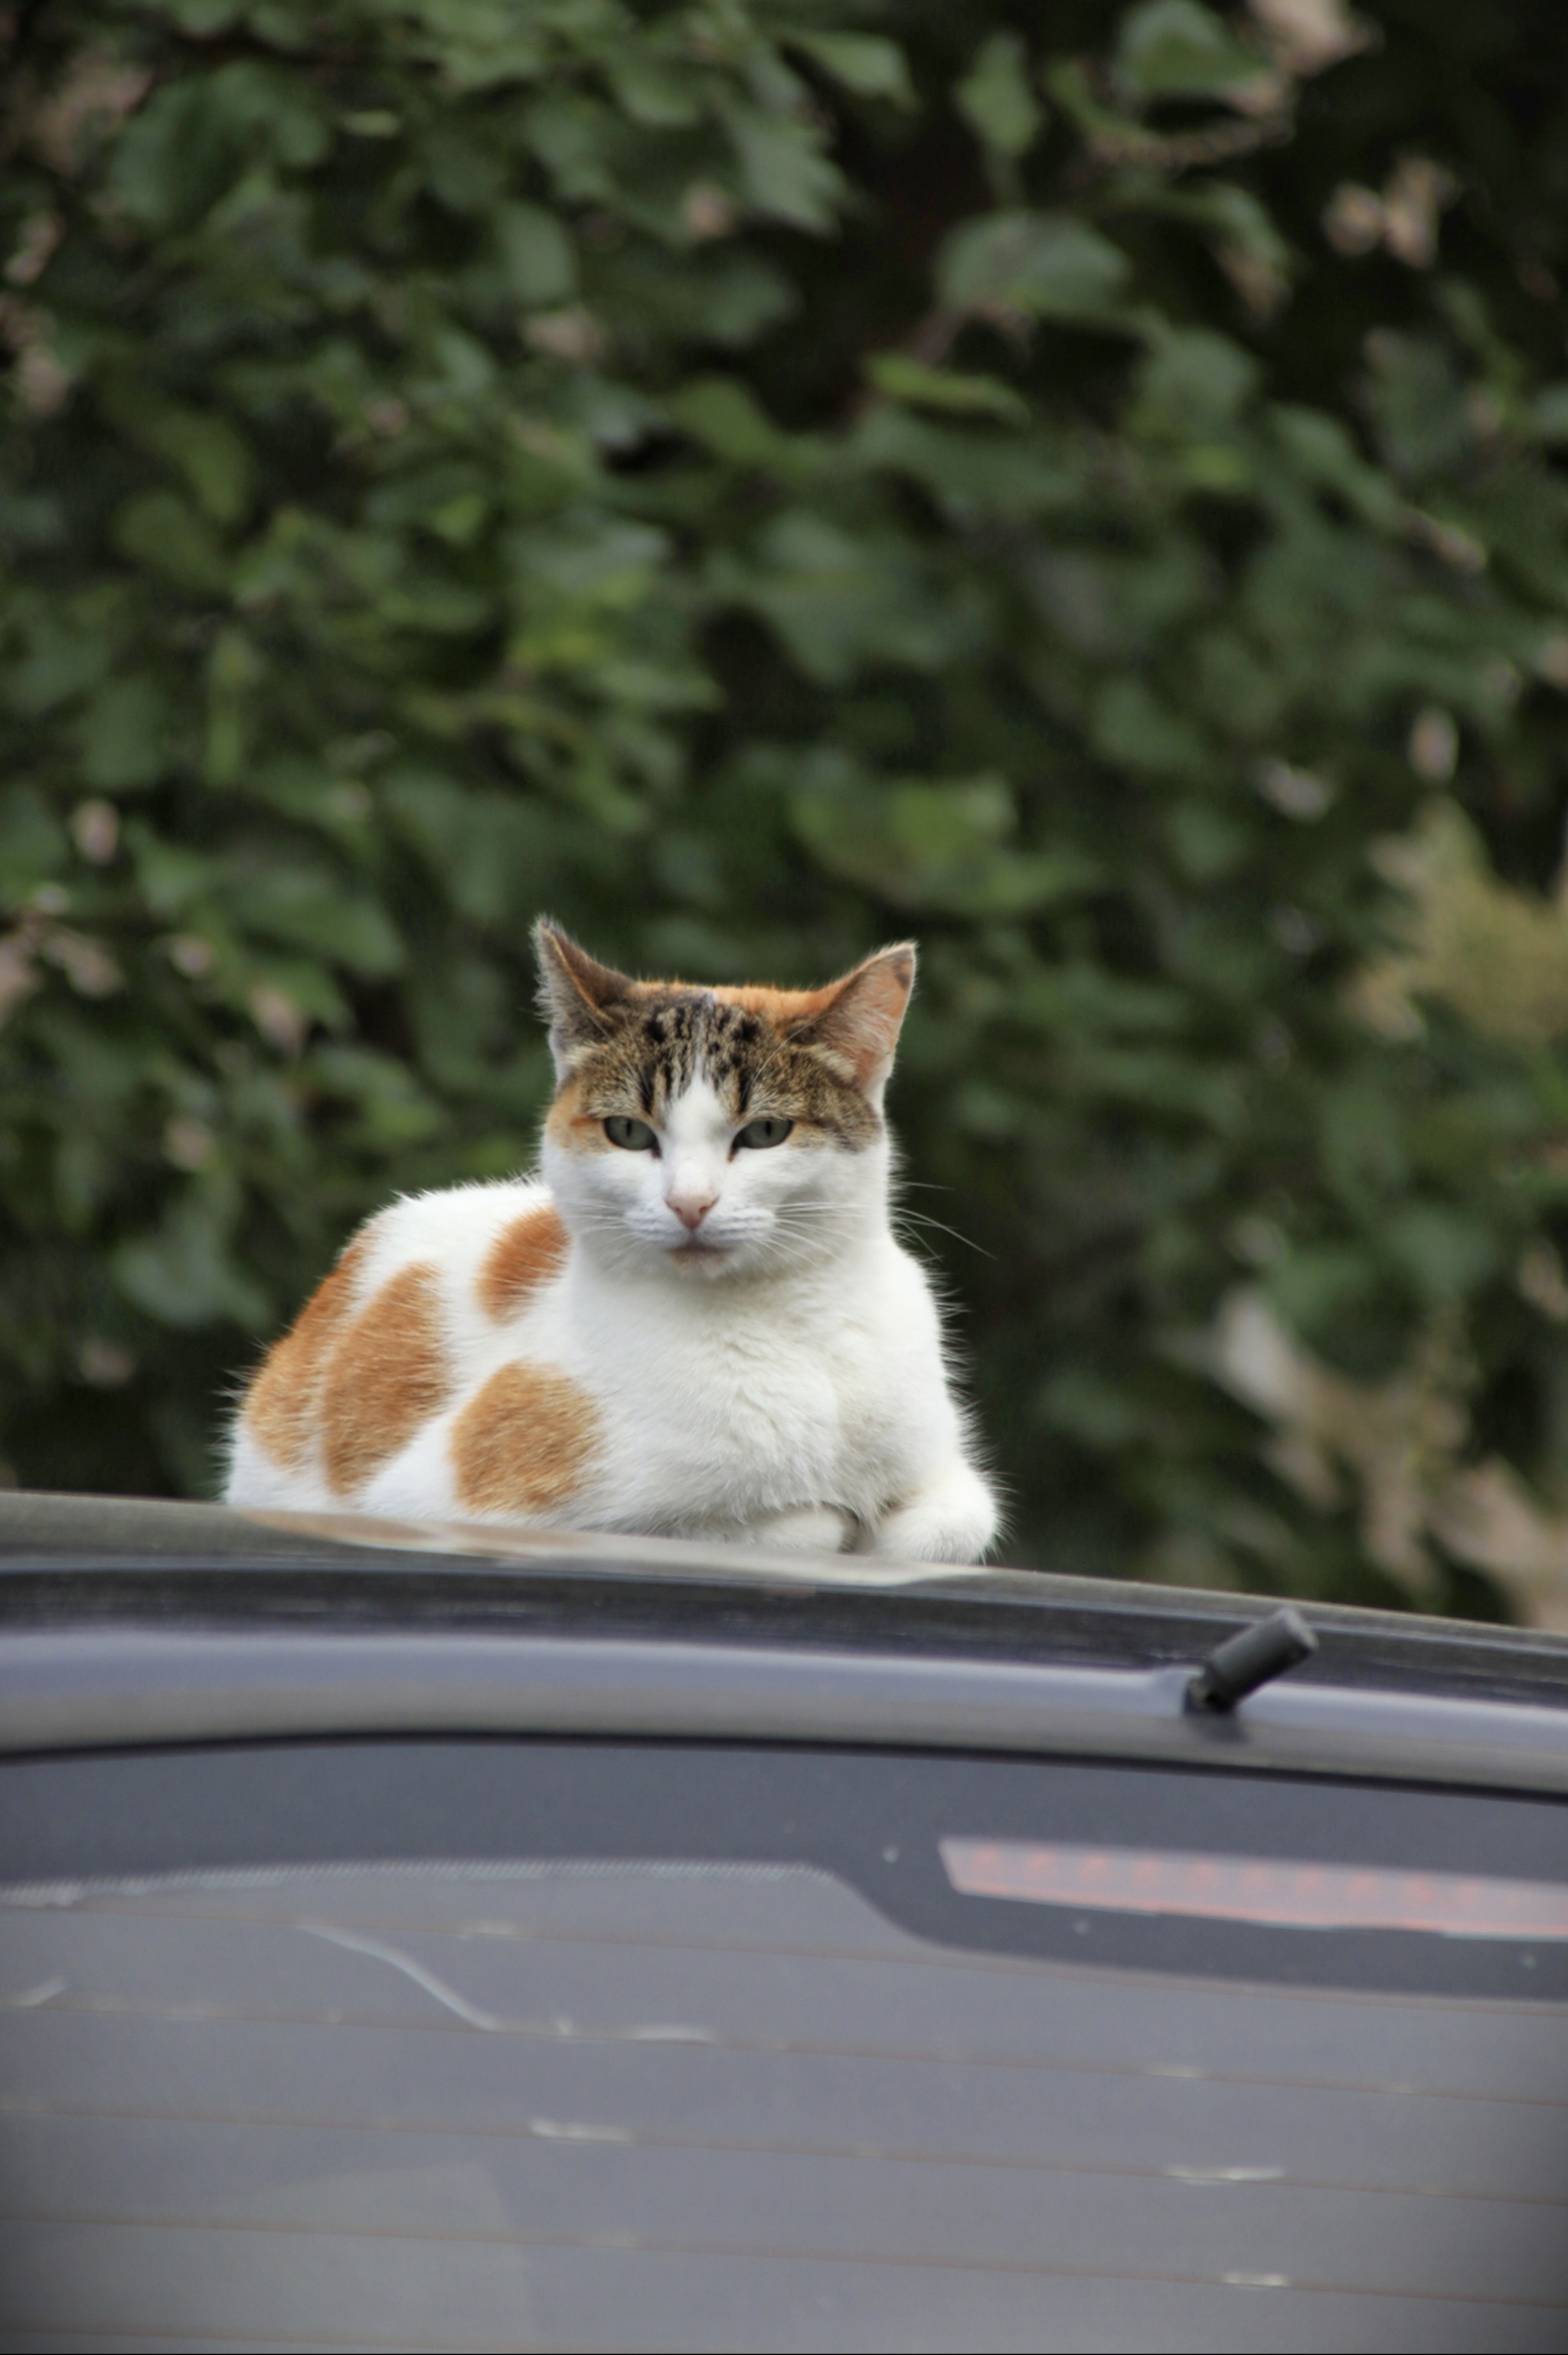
(697, 1320)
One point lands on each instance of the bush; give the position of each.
(755, 480)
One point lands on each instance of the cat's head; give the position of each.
(717, 1132)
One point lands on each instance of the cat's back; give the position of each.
(424, 1297)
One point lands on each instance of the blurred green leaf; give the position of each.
(158, 531)
(866, 63)
(1175, 48)
(725, 416)
(1191, 382)
(536, 256)
(942, 389)
(934, 845)
(995, 98)
(1046, 264)
(785, 172)
(183, 1274)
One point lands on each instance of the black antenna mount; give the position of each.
(1242, 1663)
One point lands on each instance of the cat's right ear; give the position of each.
(578, 997)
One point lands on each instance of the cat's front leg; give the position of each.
(952, 1518)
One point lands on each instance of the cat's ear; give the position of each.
(856, 1024)
(578, 997)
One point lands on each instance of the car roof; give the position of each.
(74, 1557)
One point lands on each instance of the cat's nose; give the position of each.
(691, 1209)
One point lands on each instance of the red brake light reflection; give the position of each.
(1256, 1889)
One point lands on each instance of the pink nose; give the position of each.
(692, 1214)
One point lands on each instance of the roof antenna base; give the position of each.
(1242, 1663)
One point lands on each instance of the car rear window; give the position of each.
(502, 2045)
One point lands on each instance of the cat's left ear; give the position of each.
(578, 997)
(856, 1027)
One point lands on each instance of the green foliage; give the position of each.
(755, 477)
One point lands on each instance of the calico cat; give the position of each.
(696, 1321)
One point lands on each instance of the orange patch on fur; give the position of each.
(523, 1256)
(390, 1373)
(568, 1123)
(281, 1406)
(521, 1443)
(780, 1007)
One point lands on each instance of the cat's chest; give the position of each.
(763, 1388)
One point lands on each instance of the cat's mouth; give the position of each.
(690, 1254)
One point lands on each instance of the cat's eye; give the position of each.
(631, 1135)
(758, 1135)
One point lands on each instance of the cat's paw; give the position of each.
(807, 1529)
(954, 1519)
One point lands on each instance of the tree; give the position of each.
(755, 479)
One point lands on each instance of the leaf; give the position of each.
(995, 98)
(1192, 383)
(536, 256)
(865, 63)
(211, 451)
(310, 909)
(943, 389)
(656, 94)
(837, 601)
(785, 172)
(125, 735)
(723, 415)
(967, 472)
(1132, 726)
(1323, 449)
(465, 172)
(1443, 1253)
(1048, 265)
(1418, 398)
(739, 296)
(1548, 415)
(1174, 48)
(160, 532)
(218, 464)
(203, 19)
(195, 136)
(934, 845)
(183, 1274)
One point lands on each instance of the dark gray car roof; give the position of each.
(68, 1557)
(124, 1622)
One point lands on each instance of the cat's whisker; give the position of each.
(921, 1219)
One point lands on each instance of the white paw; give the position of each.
(954, 1520)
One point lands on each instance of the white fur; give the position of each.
(773, 1374)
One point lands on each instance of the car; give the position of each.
(465, 1937)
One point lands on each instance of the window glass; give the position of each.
(582, 2099)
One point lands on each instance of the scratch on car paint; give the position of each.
(661, 2035)
(421, 1977)
(29, 1999)
(556, 2130)
(1225, 2174)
